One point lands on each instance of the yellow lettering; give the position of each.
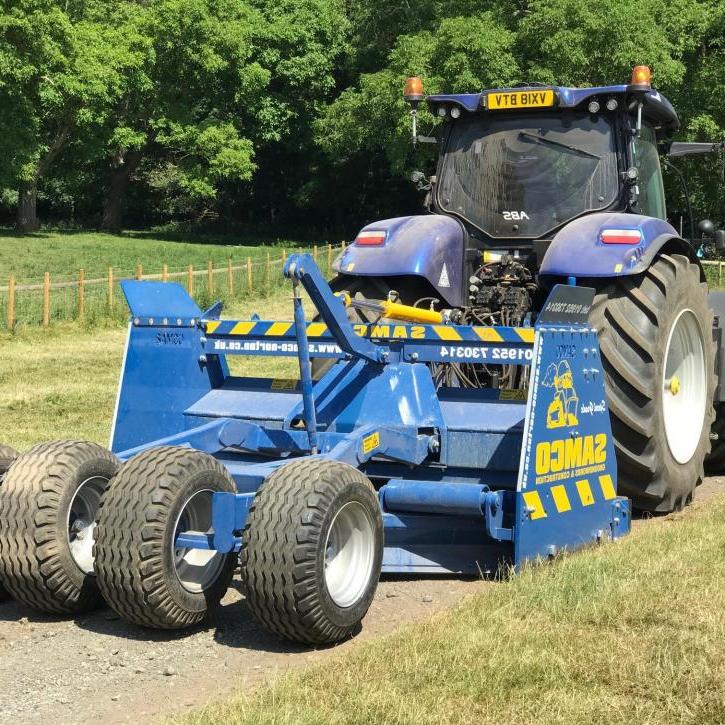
(573, 453)
(543, 454)
(399, 331)
(588, 452)
(360, 330)
(380, 331)
(557, 457)
(600, 451)
(417, 332)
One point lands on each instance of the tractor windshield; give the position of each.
(523, 175)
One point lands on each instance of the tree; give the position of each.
(60, 74)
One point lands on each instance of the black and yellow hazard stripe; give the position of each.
(562, 500)
(384, 331)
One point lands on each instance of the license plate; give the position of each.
(516, 100)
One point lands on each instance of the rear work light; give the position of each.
(621, 236)
(370, 239)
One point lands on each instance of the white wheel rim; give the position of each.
(684, 382)
(196, 569)
(82, 518)
(349, 554)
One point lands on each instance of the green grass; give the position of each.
(61, 382)
(64, 253)
(631, 632)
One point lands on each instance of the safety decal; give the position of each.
(371, 442)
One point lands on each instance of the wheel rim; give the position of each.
(684, 382)
(196, 569)
(82, 518)
(349, 554)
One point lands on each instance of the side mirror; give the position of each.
(720, 240)
(706, 227)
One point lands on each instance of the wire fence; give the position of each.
(93, 300)
(98, 299)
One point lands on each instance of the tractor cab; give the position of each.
(519, 170)
(516, 165)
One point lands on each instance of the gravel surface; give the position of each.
(99, 668)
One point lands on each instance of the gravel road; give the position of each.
(98, 668)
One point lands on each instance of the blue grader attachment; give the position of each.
(313, 487)
(469, 481)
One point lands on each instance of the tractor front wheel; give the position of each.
(658, 359)
(312, 551)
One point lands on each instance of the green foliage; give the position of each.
(264, 110)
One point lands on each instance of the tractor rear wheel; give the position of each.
(370, 288)
(7, 456)
(155, 496)
(312, 551)
(49, 501)
(658, 359)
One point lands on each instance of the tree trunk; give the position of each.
(27, 219)
(115, 199)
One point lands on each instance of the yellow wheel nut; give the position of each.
(674, 385)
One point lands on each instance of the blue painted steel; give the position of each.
(656, 108)
(461, 474)
(429, 246)
(308, 398)
(566, 493)
(577, 249)
(425, 497)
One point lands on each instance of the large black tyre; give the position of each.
(639, 320)
(7, 456)
(296, 586)
(715, 462)
(45, 494)
(155, 495)
(356, 287)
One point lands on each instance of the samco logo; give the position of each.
(395, 332)
(570, 453)
(563, 409)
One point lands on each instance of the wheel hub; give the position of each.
(196, 569)
(82, 516)
(684, 380)
(349, 554)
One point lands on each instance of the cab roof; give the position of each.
(655, 107)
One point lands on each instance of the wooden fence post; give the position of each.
(268, 274)
(110, 288)
(81, 293)
(249, 274)
(329, 258)
(719, 274)
(190, 281)
(230, 278)
(11, 303)
(139, 271)
(165, 273)
(314, 253)
(210, 277)
(46, 300)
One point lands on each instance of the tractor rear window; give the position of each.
(523, 175)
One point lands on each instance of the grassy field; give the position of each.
(631, 632)
(62, 381)
(63, 253)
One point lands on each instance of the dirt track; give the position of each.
(98, 668)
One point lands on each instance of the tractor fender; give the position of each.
(577, 250)
(429, 246)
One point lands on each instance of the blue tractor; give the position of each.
(486, 385)
(540, 185)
